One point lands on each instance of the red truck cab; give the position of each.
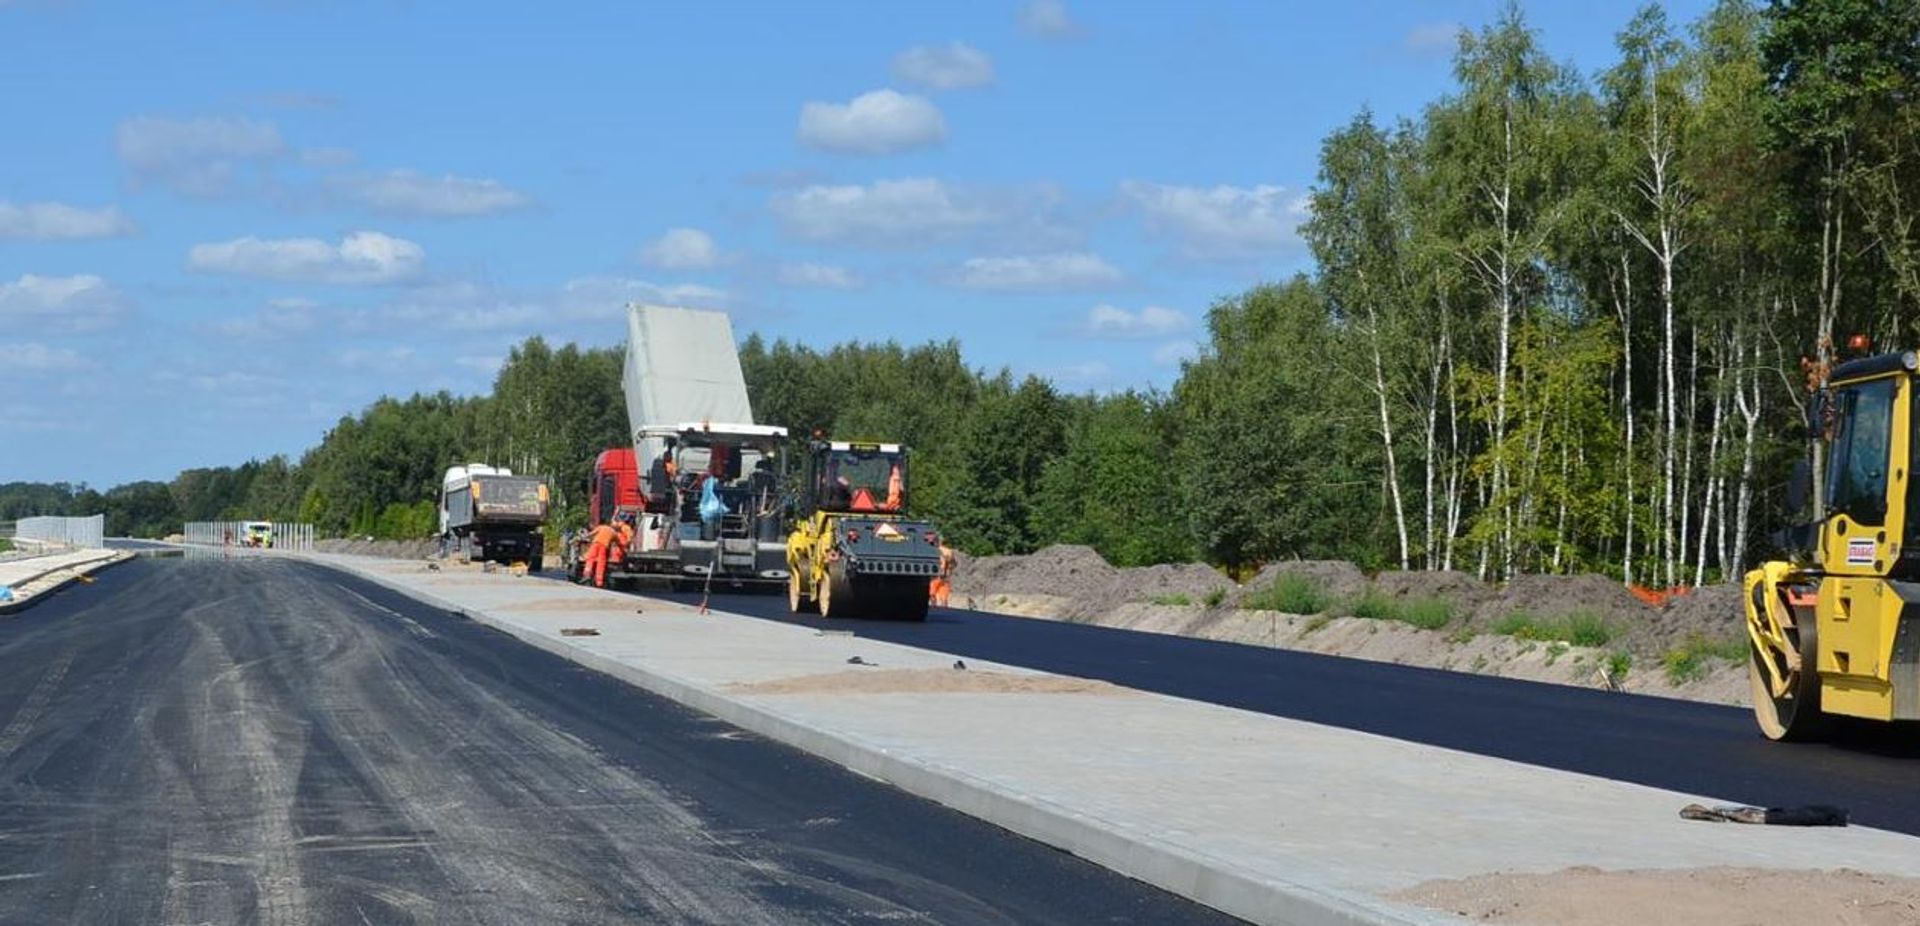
(616, 486)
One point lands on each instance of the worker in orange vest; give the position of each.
(599, 545)
(941, 587)
(625, 528)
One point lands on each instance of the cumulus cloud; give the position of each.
(1221, 222)
(412, 193)
(823, 276)
(207, 156)
(1037, 272)
(72, 303)
(31, 357)
(1432, 38)
(879, 122)
(1048, 19)
(54, 221)
(360, 258)
(913, 211)
(681, 249)
(1105, 321)
(953, 66)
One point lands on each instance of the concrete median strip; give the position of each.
(1273, 820)
(31, 580)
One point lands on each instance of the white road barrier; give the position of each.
(73, 533)
(279, 535)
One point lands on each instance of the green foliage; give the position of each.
(1292, 594)
(6, 545)
(1215, 597)
(1175, 600)
(1684, 664)
(1580, 628)
(1424, 613)
(1619, 663)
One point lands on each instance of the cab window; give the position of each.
(1857, 475)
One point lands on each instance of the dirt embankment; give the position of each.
(1583, 630)
(392, 549)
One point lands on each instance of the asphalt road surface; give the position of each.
(262, 741)
(1872, 769)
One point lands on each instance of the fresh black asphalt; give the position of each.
(258, 740)
(1871, 769)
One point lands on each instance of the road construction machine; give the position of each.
(854, 549)
(1835, 632)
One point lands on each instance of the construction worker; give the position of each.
(599, 546)
(624, 526)
(896, 488)
(941, 588)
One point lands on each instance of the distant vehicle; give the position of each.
(257, 534)
(488, 514)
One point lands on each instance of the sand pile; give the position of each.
(1079, 575)
(1587, 896)
(1338, 578)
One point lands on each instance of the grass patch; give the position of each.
(1581, 628)
(1690, 661)
(1619, 663)
(6, 546)
(1424, 613)
(1461, 635)
(1175, 600)
(1291, 594)
(1215, 597)
(1315, 623)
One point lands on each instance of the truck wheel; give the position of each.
(836, 595)
(1794, 717)
(798, 601)
(907, 600)
(533, 565)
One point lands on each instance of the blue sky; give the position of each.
(223, 225)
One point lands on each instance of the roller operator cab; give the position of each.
(1836, 631)
(854, 550)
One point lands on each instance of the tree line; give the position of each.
(1557, 322)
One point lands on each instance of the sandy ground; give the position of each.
(1696, 897)
(927, 681)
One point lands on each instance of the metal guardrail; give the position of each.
(76, 533)
(281, 535)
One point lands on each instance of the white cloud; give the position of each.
(360, 258)
(376, 360)
(30, 357)
(1037, 272)
(824, 276)
(1048, 19)
(597, 300)
(328, 158)
(1221, 222)
(74, 303)
(1174, 353)
(282, 318)
(51, 221)
(198, 157)
(1432, 38)
(953, 66)
(1105, 321)
(879, 122)
(681, 249)
(411, 193)
(913, 211)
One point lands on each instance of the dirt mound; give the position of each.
(1559, 596)
(1189, 580)
(391, 549)
(1065, 570)
(1337, 578)
(1710, 612)
(1466, 593)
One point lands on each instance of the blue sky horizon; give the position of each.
(224, 225)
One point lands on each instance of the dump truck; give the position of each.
(488, 514)
(1835, 630)
(855, 550)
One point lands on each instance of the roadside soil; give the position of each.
(1660, 649)
(1695, 896)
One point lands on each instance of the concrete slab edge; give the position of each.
(1207, 880)
(78, 570)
